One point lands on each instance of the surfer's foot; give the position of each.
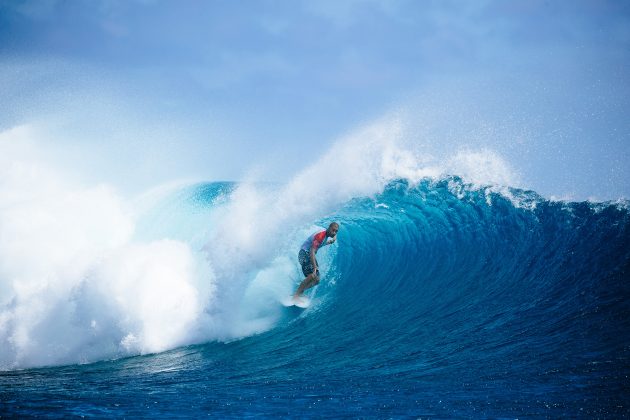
(297, 297)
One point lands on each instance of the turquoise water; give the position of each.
(439, 300)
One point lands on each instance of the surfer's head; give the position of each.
(332, 230)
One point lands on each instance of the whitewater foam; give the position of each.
(75, 287)
(86, 274)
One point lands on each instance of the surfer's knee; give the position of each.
(313, 278)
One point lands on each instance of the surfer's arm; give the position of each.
(313, 260)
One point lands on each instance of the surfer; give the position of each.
(307, 259)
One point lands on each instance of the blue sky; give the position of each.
(152, 91)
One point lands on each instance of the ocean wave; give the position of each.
(431, 251)
(89, 275)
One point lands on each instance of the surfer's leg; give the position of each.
(312, 275)
(310, 281)
(314, 281)
(306, 284)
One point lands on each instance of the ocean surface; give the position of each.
(440, 299)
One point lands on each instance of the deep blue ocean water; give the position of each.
(440, 300)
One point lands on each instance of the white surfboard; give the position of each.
(301, 302)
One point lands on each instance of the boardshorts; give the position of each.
(305, 262)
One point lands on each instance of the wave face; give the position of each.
(439, 299)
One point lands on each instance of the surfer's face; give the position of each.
(332, 230)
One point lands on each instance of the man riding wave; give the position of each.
(307, 259)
